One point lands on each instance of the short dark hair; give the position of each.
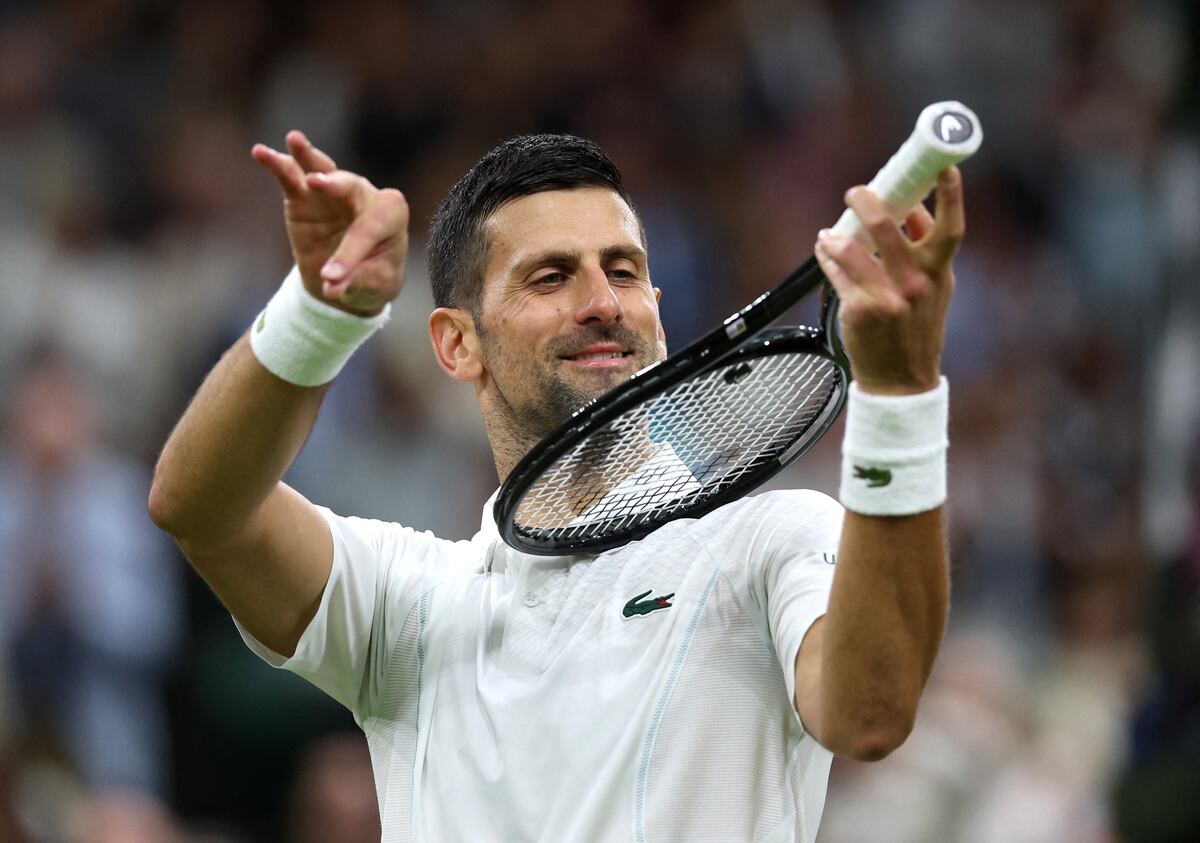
(521, 166)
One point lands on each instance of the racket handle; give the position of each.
(946, 133)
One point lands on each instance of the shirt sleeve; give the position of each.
(794, 550)
(379, 572)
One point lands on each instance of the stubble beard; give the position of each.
(554, 397)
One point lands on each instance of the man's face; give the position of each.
(567, 310)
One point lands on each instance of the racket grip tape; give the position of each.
(946, 133)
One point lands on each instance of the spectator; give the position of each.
(89, 603)
(10, 830)
(334, 798)
(125, 817)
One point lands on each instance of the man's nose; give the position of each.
(598, 299)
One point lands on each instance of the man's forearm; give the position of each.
(231, 448)
(887, 611)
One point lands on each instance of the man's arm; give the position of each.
(879, 638)
(862, 667)
(263, 548)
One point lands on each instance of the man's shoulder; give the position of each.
(753, 524)
(763, 526)
(391, 541)
(794, 505)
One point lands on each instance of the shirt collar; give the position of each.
(487, 523)
(498, 557)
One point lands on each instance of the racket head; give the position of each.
(675, 443)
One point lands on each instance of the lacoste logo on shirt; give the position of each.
(873, 476)
(639, 606)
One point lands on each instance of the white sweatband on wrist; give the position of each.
(305, 341)
(894, 452)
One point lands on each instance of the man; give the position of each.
(690, 685)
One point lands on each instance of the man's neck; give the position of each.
(509, 443)
(590, 482)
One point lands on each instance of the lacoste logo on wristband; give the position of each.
(638, 606)
(874, 476)
(262, 322)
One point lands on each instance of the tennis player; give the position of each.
(689, 686)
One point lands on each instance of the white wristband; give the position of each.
(894, 452)
(305, 341)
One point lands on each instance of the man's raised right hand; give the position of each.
(348, 237)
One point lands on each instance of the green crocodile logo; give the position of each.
(874, 476)
(262, 323)
(640, 606)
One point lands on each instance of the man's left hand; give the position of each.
(893, 307)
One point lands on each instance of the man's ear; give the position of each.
(455, 343)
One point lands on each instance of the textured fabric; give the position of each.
(743, 727)
(894, 451)
(303, 340)
(642, 694)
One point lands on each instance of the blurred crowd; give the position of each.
(137, 240)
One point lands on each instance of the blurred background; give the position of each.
(137, 240)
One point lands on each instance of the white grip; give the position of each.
(946, 133)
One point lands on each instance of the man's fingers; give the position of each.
(373, 232)
(309, 157)
(893, 246)
(344, 188)
(950, 223)
(837, 276)
(854, 271)
(283, 167)
(373, 278)
(918, 223)
(290, 170)
(340, 184)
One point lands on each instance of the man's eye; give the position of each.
(549, 279)
(623, 274)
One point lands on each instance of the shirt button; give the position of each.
(531, 599)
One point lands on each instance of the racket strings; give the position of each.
(681, 448)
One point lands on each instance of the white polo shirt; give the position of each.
(644, 694)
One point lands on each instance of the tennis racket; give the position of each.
(717, 419)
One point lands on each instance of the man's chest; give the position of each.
(607, 613)
(537, 625)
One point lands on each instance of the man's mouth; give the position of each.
(600, 356)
